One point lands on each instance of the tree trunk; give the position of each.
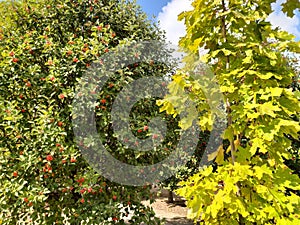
(170, 196)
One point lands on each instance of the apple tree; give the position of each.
(46, 47)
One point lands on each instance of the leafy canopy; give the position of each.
(251, 184)
(46, 47)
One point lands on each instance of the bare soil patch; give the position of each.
(174, 213)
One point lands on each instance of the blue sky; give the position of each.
(166, 12)
(152, 7)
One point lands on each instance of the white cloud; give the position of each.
(175, 29)
(168, 19)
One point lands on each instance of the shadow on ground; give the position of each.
(178, 221)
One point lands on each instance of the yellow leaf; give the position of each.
(276, 92)
(212, 156)
(236, 145)
(214, 53)
(217, 204)
(247, 60)
(218, 155)
(257, 143)
(227, 52)
(265, 76)
(206, 122)
(268, 109)
(205, 58)
(261, 189)
(229, 89)
(273, 62)
(242, 208)
(249, 53)
(8, 118)
(252, 115)
(271, 162)
(207, 171)
(271, 55)
(187, 121)
(260, 170)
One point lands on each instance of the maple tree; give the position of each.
(249, 59)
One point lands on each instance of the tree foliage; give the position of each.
(251, 184)
(46, 47)
(290, 6)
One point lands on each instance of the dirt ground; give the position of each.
(174, 213)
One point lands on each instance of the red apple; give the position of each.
(49, 157)
(61, 96)
(73, 160)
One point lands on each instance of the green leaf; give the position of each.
(290, 6)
